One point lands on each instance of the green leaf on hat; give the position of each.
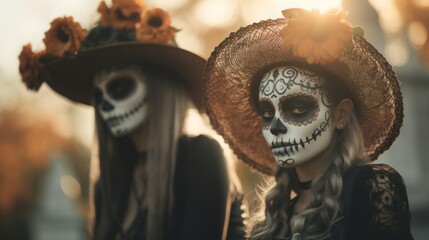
(357, 31)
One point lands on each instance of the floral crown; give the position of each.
(318, 38)
(123, 21)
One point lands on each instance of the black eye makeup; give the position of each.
(267, 111)
(299, 109)
(121, 87)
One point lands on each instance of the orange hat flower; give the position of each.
(155, 27)
(33, 73)
(318, 38)
(64, 36)
(123, 14)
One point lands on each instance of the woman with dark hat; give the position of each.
(308, 100)
(154, 181)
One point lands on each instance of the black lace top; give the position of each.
(379, 205)
(374, 206)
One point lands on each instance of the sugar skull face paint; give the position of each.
(120, 97)
(294, 106)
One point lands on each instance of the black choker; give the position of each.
(304, 185)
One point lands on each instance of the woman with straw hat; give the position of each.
(307, 99)
(155, 182)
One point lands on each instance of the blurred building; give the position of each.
(37, 185)
(57, 214)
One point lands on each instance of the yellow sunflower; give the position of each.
(64, 36)
(123, 14)
(318, 38)
(155, 27)
(33, 73)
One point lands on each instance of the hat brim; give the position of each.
(73, 77)
(234, 67)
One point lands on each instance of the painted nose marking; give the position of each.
(277, 127)
(106, 106)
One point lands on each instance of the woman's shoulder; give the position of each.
(198, 139)
(378, 177)
(371, 178)
(201, 145)
(379, 169)
(380, 185)
(380, 200)
(201, 152)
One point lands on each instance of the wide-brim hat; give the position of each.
(237, 63)
(73, 77)
(127, 33)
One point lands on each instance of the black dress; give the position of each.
(200, 192)
(374, 205)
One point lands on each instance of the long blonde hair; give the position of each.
(168, 103)
(169, 106)
(271, 220)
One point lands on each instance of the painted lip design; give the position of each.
(118, 119)
(280, 147)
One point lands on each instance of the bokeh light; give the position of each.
(70, 186)
(167, 4)
(397, 53)
(215, 13)
(389, 15)
(322, 5)
(256, 10)
(417, 33)
(421, 3)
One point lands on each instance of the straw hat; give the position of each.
(127, 33)
(311, 38)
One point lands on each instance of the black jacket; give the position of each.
(200, 192)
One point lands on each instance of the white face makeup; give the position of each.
(120, 98)
(295, 114)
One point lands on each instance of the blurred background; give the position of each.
(45, 141)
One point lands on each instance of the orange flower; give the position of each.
(33, 73)
(123, 14)
(64, 36)
(155, 27)
(319, 38)
(104, 11)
